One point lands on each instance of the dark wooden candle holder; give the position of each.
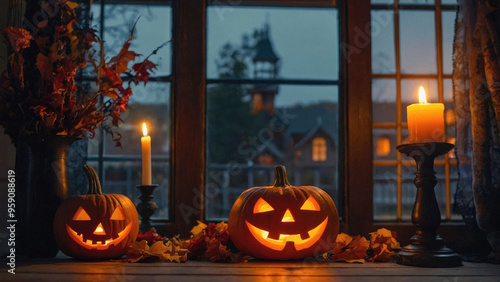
(426, 248)
(146, 207)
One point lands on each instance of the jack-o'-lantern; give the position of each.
(283, 221)
(96, 225)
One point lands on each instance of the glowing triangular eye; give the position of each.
(81, 214)
(310, 205)
(118, 214)
(262, 206)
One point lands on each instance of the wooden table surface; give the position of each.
(67, 269)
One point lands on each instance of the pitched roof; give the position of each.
(305, 119)
(311, 134)
(271, 147)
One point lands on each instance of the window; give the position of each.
(211, 111)
(411, 47)
(272, 88)
(120, 168)
(319, 149)
(383, 147)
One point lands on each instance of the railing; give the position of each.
(225, 182)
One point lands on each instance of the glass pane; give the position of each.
(409, 93)
(305, 41)
(123, 166)
(384, 193)
(382, 1)
(417, 2)
(453, 189)
(122, 174)
(418, 43)
(440, 190)
(154, 27)
(384, 100)
(383, 52)
(384, 144)
(405, 136)
(449, 2)
(149, 104)
(448, 23)
(252, 128)
(408, 189)
(449, 113)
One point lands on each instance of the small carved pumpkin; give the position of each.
(96, 225)
(282, 221)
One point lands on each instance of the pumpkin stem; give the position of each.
(94, 183)
(280, 178)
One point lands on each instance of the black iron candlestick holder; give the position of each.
(426, 248)
(146, 207)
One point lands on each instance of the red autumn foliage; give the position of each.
(151, 236)
(381, 247)
(211, 242)
(17, 38)
(383, 243)
(38, 90)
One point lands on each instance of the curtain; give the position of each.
(476, 90)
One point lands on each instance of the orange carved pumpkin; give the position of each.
(96, 225)
(282, 221)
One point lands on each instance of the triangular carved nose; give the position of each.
(99, 230)
(288, 217)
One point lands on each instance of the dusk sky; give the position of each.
(305, 39)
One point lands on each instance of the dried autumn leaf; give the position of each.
(141, 251)
(71, 5)
(55, 52)
(341, 242)
(143, 70)
(137, 251)
(17, 37)
(382, 243)
(359, 245)
(198, 230)
(120, 61)
(44, 66)
(157, 249)
(151, 236)
(216, 251)
(381, 253)
(220, 228)
(176, 258)
(349, 249)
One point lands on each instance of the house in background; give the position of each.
(308, 144)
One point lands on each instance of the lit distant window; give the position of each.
(451, 154)
(319, 149)
(383, 146)
(450, 117)
(257, 103)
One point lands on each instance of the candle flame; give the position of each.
(421, 95)
(144, 130)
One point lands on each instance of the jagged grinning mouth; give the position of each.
(98, 245)
(279, 244)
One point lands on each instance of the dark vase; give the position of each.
(42, 184)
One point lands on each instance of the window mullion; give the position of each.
(188, 114)
(358, 117)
